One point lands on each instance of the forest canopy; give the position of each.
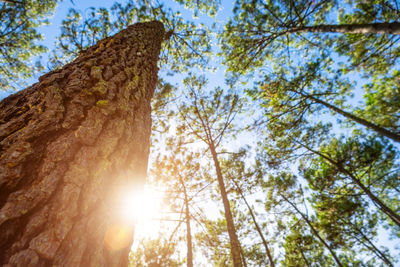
(276, 124)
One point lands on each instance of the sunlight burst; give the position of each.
(142, 207)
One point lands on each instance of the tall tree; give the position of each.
(209, 119)
(345, 218)
(284, 194)
(360, 165)
(273, 35)
(368, 166)
(154, 253)
(307, 59)
(19, 39)
(188, 46)
(179, 172)
(268, 29)
(244, 180)
(343, 205)
(70, 144)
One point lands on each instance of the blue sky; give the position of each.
(51, 31)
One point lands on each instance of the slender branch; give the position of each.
(389, 134)
(267, 250)
(382, 206)
(375, 28)
(316, 233)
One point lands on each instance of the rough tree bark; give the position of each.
(68, 144)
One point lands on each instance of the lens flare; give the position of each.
(140, 206)
(118, 236)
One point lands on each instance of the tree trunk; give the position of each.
(69, 145)
(371, 246)
(377, 201)
(188, 235)
(188, 230)
(258, 228)
(234, 241)
(314, 231)
(304, 257)
(382, 131)
(374, 28)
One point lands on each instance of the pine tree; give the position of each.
(19, 39)
(69, 144)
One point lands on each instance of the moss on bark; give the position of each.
(68, 144)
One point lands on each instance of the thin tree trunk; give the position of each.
(382, 206)
(375, 28)
(314, 231)
(68, 145)
(372, 247)
(188, 231)
(234, 241)
(382, 131)
(243, 257)
(304, 257)
(269, 255)
(188, 235)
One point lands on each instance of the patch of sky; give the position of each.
(216, 78)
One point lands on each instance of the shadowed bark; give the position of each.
(69, 144)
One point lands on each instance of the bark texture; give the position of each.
(237, 259)
(68, 144)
